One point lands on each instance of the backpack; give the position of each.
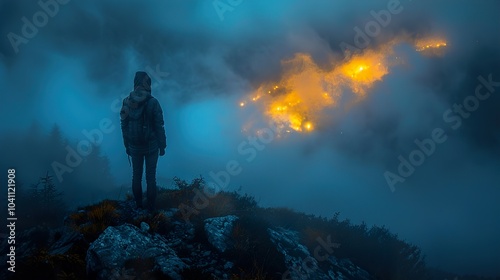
(139, 125)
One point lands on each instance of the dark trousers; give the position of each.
(138, 165)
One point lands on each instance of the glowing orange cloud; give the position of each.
(305, 90)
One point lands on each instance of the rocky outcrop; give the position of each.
(345, 269)
(67, 239)
(218, 231)
(162, 245)
(298, 260)
(302, 265)
(108, 255)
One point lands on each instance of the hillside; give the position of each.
(219, 236)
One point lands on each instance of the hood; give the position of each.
(142, 89)
(142, 81)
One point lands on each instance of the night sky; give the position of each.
(429, 74)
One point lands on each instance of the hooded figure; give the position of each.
(143, 136)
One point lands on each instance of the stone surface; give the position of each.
(144, 227)
(65, 242)
(298, 260)
(345, 269)
(218, 231)
(117, 245)
(302, 265)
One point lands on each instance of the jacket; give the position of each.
(133, 105)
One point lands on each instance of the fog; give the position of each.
(204, 59)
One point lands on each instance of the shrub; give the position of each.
(42, 265)
(93, 220)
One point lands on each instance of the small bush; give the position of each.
(183, 194)
(257, 272)
(42, 265)
(93, 220)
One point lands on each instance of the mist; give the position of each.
(204, 59)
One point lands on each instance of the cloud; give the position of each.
(88, 52)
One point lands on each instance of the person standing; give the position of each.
(143, 136)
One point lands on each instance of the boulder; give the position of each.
(298, 260)
(301, 265)
(116, 246)
(144, 227)
(345, 269)
(219, 230)
(67, 239)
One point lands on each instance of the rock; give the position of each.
(228, 265)
(169, 213)
(65, 242)
(298, 260)
(185, 231)
(144, 227)
(116, 245)
(180, 234)
(301, 265)
(345, 269)
(218, 231)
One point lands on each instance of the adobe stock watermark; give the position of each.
(95, 137)
(157, 76)
(30, 28)
(221, 179)
(310, 264)
(84, 148)
(372, 28)
(223, 6)
(454, 118)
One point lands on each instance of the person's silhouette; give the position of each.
(143, 135)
